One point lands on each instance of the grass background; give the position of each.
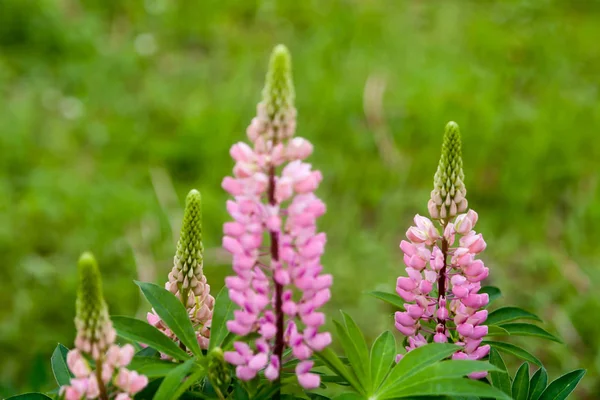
(110, 111)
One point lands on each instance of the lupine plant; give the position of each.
(263, 337)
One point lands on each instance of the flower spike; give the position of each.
(448, 196)
(186, 279)
(273, 189)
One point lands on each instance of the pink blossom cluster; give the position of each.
(442, 286)
(85, 383)
(289, 284)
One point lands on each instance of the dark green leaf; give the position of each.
(151, 367)
(30, 396)
(416, 360)
(561, 387)
(383, 353)
(222, 313)
(493, 292)
(350, 396)
(361, 348)
(538, 383)
(494, 330)
(507, 314)
(333, 362)
(438, 370)
(500, 380)
(450, 387)
(353, 355)
(147, 352)
(390, 298)
(198, 372)
(520, 386)
(523, 329)
(134, 329)
(59, 365)
(169, 385)
(172, 313)
(514, 350)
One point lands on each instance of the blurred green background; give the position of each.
(110, 111)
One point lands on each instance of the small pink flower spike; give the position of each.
(443, 280)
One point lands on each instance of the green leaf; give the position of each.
(390, 298)
(222, 312)
(493, 292)
(353, 355)
(383, 353)
(520, 386)
(151, 367)
(514, 350)
(507, 314)
(538, 383)
(29, 396)
(500, 380)
(59, 365)
(416, 360)
(333, 362)
(197, 373)
(349, 396)
(172, 313)
(361, 348)
(494, 330)
(438, 370)
(523, 329)
(561, 387)
(172, 380)
(435, 386)
(140, 331)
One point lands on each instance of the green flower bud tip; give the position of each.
(188, 260)
(448, 196)
(218, 370)
(278, 94)
(94, 328)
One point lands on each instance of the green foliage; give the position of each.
(520, 385)
(421, 372)
(103, 100)
(172, 313)
(59, 365)
(222, 312)
(507, 314)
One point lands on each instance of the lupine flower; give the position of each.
(443, 280)
(95, 339)
(186, 279)
(273, 189)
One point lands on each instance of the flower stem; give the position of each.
(279, 343)
(101, 387)
(442, 278)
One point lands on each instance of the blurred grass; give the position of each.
(104, 104)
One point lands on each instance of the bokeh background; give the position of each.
(110, 111)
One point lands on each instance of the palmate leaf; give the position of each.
(353, 354)
(514, 350)
(390, 298)
(383, 353)
(140, 331)
(172, 313)
(500, 380)
(59, 365)
(223, 312)
(523, 329)
(361, 350)
(416, 360)
(507, 314)
(335, 364)
(151, 367)
(449, 387)
(520, 386)
(172, 381)
(439, 370)
(561, 387)
(538, 383)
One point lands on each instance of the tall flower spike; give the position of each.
(273, 192)
(186, 279)
(95, 332)
(443, 280)
(448, 196)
